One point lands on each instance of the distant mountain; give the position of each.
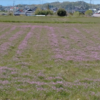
(79, 5)
(70, 5)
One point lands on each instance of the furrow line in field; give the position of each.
(14, 27)
(85, 39)
(4, 47)
(15, 36)
(36, 47)
(79, 52)
(68, 43)
(14, 41)
(75, 29)
(75, 35)
(6, 33)
(4, 28)
(86, 44)
(64, 43)
(23, 44)
(37, 41)
(88, 36)
(92, 47)
(3, 25)
(96, 36)
(54, 44)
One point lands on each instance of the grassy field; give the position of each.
(51, 19)
(49, 61)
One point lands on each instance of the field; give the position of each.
(49, 61)
(49, 19)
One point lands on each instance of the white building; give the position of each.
(98, 11)
(13, 8)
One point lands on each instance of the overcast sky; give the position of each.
(10, 2)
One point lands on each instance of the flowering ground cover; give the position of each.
(49, 61)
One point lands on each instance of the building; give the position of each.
(54, 9)
(13, 8)
(25, 12)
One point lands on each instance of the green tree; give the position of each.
(61, 12)
(43, 12)
(38, 11)
(88, 12)
(76, 14)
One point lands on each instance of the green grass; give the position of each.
(47, 19)
(36, 73)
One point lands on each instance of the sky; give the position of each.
(10, 2)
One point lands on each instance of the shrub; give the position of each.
(76, 14)
(22, 15)
(49, 12)
(82, 13)
(10, 14)
(37, 12)
(88, 12)
(61, 12)
(43, 12)
(71, 13)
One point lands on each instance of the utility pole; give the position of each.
(90, 3)
(41, 4)
(13, 6)
(72, 7)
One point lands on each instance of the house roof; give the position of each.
(13, 7)
(20, 13)
(29, 10)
